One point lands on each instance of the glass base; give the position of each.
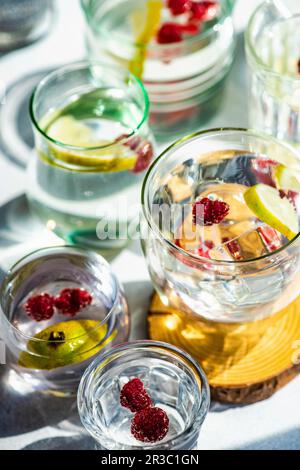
(244, 363)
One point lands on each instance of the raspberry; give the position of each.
(204, 11)
(190, 28)
(134, 396)
(292, 196)
(234, 248)
(208, 212)
(71, 301)
(145, 155)
(40, 307)
(203, 251)
(270, 238)
(150, 425)
(298, 66)
(169, 33)
(178, 7)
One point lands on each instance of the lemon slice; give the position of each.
(268, 206)
(70, 131)
(144, 34)
(287, 178)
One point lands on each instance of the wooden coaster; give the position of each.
(244, 363)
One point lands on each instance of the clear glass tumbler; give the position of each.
(239, 270)
(93, 144)
(59, 307)
(174, 381)
(273, 53)
(185, 78)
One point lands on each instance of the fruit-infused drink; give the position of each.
(273, 52)
(222, 211)
(181, 49)
(144, 395)
(59, 308)
(92, 146)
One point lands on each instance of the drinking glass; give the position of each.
(185, 80)
(174, 381)
(93, 144)
(50, 347)
(240, 270)
(273, 53)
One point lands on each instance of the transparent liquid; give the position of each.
(169, 387)
(275, 99)
(71, 200)
(229, 292)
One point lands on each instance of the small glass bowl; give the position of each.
(52, 353)
(92, 146)
(174, 381)
(184, 80)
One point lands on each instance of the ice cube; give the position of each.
(251, 244)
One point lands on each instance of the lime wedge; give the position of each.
(267, 205)
(287, 178)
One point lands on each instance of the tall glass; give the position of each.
(273, 53)
(174, 381)
(185, 80)
(59, 307)
(242, 270)
(93, 145)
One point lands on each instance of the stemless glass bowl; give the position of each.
(52, 354)
(226, 290)
(273, 54)
(185, 80)
(93, 144)
(173, 379)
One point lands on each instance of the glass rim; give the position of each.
(186, 358)
(163, 47)
(200, 259)
(45, 251)
(250, 47)
(81, 65)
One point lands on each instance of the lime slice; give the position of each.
(287, 178)
(70, 131)
(268, 206)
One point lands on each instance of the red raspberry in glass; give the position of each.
(204, 11)
(71, 301)
(204, 250)
(40, 307)
(150, 425)
(145, 155)
(190, 28)
(270, 238)
(208, 212)
(134, 396)
(169, 33)
(178, 7)
(234, 248)
(292, 196)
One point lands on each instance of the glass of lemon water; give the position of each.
(93, 145)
